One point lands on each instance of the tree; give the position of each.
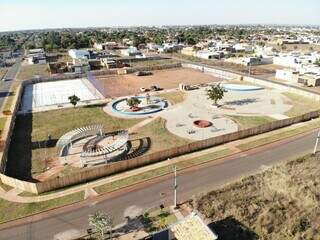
(215, 93)
(101, 221)
(133, 102)
(74, 100)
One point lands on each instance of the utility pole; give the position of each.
(316, 145)
(175, 186)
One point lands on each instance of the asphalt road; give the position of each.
(145, 196)
(5, 85)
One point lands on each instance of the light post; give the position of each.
(175, 187)
(316, 145)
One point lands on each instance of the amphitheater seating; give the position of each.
(79, 133)
(121, 141)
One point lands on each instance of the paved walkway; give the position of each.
(14, 197)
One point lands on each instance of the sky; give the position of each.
(39, 14)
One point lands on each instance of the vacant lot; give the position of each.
(27, 151)
(124, 85)
(29, 71)
(280, 203)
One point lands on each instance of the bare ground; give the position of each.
(124, 85)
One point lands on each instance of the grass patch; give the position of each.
(152, 63)
(158, 220)
(248, 122)
(10, 210)
(5, 187)
(300, 104)
(109, 187)
(9, 99)
(29, 71)
(3, 72)
(161, 138)
(2, 123)
(280, 203)
(31, 132)
(275, 137)
(174, 97)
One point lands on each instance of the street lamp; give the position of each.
(175, 187)
(316, 145)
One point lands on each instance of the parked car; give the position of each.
(142, 89)
(155, 88)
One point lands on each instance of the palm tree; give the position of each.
(101, 221)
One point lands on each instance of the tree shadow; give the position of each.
(44, 144)
(230, 229)
(241, 102)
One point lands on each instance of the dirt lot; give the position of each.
(124, 85)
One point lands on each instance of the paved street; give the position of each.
(5, 85)
(145, 196)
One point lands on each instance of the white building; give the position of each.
(287, 75)
(106, 46)
(265, 51)
(250, 61)
(243, 47)
(79, 54)
(131, 52)
(287, 61)
(207, 54)
(36, 56)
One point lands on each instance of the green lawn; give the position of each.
(31, 131)
(151, 63)
(173, 97)
(249, 122)
(300, 104)
(10, 98)
(11, 210)
(161, 138)
(29, 71)
(158, 219)
(2, 123)
(3, 72)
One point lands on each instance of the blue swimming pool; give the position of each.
(240, 87)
